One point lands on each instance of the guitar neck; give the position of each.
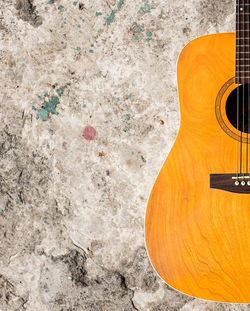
(242, 71)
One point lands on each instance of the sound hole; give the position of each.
(239, 95)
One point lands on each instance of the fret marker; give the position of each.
(241, 9)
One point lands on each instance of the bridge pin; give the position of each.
(243, 183)
(237, 183)
(248, 183)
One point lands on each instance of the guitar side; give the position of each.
(198, 238)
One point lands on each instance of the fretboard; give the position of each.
(242, 72)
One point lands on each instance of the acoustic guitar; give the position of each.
(197, 225)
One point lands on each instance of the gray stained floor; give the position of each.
(89, 112)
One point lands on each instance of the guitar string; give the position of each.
(246, 101)
(247, 144)
(243, 101)
(241, 74)
(237, 77)
(242, 80)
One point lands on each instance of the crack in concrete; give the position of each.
(27, 12)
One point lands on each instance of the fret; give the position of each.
(242, 27)
(242, 47)
(242, 80)
(245, 10)
(242, 32)
(242, 39)
(242, 65)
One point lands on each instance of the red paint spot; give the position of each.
(89, 133)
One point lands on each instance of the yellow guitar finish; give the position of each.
(198, 239)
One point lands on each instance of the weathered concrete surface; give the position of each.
(72, 209)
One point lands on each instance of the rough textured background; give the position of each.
(72, 209)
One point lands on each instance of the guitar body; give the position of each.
(198, 238)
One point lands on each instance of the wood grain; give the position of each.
(198, 239)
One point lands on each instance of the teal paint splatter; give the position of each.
(98, 13)
(91, 51)
(60, 7)
(42, 114)
(146, 8)
(48, 107)
(59, 92)
(64, 47)
(133, 84)
(48, 146)
(132, 153)
(129, 96)
(75, 3)
(120, 4)
(78, 26)
(139, 28)
(1, 209)
(126, 129)
(143, 159)
(39, 97)
(148, 39)
(111, 17)
(149, 33)
(117, 99)
(92, 45)
(84, 106)
(78, 48)
(52, 1)
(127, 117)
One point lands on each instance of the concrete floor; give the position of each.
(73, 199)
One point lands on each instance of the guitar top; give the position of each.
(197, 223)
